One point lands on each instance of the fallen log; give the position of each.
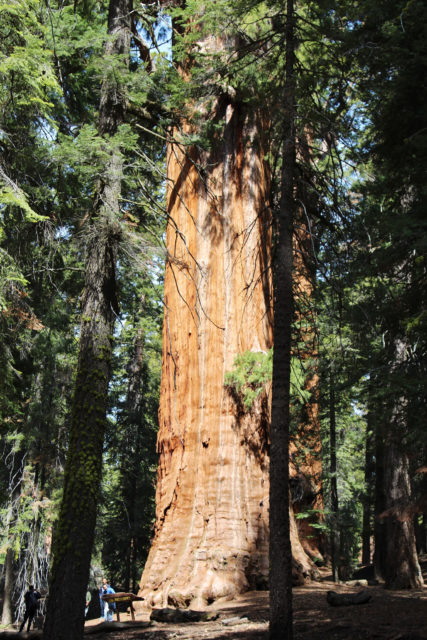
(345, 599)
(105, 627)
(181, 615)
(15, 635)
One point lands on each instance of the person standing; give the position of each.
(31, 599)
(107, 608)
(88, 599)
(103, 586)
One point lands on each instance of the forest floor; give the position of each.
(390, 615)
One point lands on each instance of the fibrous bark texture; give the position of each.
(401, 566)
(212, 494)
(402, 569)
(305, 445)
(212, 503)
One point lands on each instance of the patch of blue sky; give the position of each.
(159, 40)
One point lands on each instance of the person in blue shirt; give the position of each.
(107, 608)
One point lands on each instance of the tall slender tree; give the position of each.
(99, 309)
(392, 209)
(280, 546)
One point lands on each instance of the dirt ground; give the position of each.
(390, 615)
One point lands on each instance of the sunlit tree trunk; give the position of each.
(212, 518)
(212, 493)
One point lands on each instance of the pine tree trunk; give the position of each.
(367, 498)
(7, 612)
(335, 533)
(130, 467)
(401, 570)
(379, 506)
(281, 625)
(74, 534)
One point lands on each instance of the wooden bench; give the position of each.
(121, 596)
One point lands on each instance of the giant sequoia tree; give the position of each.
(212, 492)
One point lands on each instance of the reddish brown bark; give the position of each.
(305, 446)
(211, 536)
(212, 493)
(211, 532)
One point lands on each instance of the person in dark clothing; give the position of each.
(31, 599)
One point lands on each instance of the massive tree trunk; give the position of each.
(212, 493)
(402, 570)
(73, 536)
(212, 517)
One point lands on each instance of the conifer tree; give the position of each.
(280, 549)
(105, 227)
(391, 210)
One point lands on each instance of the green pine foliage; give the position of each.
(251, 376)
(126, 518)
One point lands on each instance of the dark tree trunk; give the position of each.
(280, 546)
(421, 533)
(401, 569)
(132, 462)
(379, 527)
(7, 613)
(335, 535)
(75, 530)
(74, 534)
(367, 500)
